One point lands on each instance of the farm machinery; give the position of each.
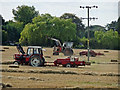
(92, 53)
(34, 57)
(66, 48)
(69, 62)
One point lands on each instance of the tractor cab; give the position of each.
(73, 59)
(34, 50)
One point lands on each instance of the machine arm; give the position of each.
(56, 40)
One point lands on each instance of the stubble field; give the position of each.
(101, 74)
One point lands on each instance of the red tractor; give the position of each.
(69, 62)
(92, 53)
(66, 48)
(33, 57)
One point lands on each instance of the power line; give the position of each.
(89, 18)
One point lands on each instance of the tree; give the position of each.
(13, 30)
(92, 29)
(79, 26)
(118, 25)
(45, 25)
(4, 36)
(108, 39)
(2, 21)
(112, 25)
(24, 14)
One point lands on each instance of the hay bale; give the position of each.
(2, 50)
(114, 60)
(6, 48)
(2, 85)
(7, 63)
(8, 85)
(14, 66)
(106, 51)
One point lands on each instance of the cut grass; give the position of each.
(43, 72)
(102, 75)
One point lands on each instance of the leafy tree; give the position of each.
(4, 36)
(24, 14)
(107, 40)
(112, 25)
(79, 26)
(13, 30)
(92, 29)
(2, 21)
(45, 25)
(118, 25)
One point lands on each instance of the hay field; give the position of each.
(97, 75)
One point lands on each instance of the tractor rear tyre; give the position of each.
(68, 52)
(36, 61)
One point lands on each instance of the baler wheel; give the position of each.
(68, 65)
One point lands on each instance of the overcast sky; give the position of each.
(106, 13)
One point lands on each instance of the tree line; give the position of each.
(31, 28)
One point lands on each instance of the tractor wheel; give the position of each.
(16, 63)
(36, 61)
(68, 65)
(68, 52)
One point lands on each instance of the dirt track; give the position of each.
(94, 76)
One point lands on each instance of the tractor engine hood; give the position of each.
(19, 48)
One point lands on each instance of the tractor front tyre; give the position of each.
(36, 61)
(68, 52)
(16, 63)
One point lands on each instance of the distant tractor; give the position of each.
(33, 57)
(66, 48)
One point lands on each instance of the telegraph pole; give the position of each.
(88, 18)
